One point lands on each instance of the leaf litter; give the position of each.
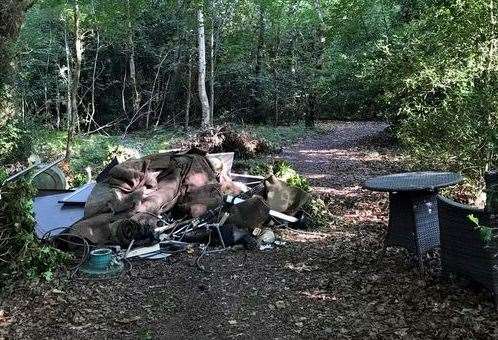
(330, 284)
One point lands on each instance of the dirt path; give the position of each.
(338, 159)
(330, 283)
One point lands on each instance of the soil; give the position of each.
(331, 283)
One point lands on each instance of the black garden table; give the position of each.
(413, 214)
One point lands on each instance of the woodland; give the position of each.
(114, 67)
(351, 88)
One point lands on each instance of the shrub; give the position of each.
(439, 74)
(15, 142)
(285, 172)
(22, 254)
(318, 211)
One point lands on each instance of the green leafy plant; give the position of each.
(23, 255)
(15, 142)
(485, 233)
(319, 212)
(285, 172)
(316, 208)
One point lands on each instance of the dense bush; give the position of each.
(16, 142)
(439, 80)
(22, 254)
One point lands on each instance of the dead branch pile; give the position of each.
(225, 138)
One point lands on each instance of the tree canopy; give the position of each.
(429, 67)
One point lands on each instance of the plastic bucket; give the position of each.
(100, 259)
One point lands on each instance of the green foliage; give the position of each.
(96, 151)
(438, 70)
(318, 212)
(316, 208)
(279, 136)
(253, 166)
(15, 142)
(293, 64)
(22, 253)
(430, 67)
(285, 172)
(485, 233)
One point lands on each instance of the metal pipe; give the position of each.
(46, 167)
(8, 179)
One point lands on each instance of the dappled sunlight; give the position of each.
(346, 155)
(362, 214)
(337, 169)
(277, 235)
(302, 236)
(354, 191)
(300, 267)
(319, 295)
(316, 176)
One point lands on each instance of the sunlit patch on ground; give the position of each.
(301, 267)
(319, 295)
(330, 283)
(303, 236)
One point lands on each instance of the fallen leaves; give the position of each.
(333, 283)
(5, 320)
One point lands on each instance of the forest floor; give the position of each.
(332, 283)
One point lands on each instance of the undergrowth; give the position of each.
(279, 136)
(96, 150)
(316, 207)
(22, 254)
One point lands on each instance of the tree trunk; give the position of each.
(75, 77)
(94, 75)
(257, 93)
(47, 70)
(11, 19)
(153, 90)
(23, 110)
(69, 106)
(189, 92)
(313, 102)
(163, 100)
(58, 106)
(202, 71)
(211, 75)
(133, 73)
(123, 90)
(170, 96)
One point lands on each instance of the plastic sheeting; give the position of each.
(52, 216)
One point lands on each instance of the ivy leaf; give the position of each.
(472, 218)
(48, 275)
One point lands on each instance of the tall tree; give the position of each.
(133, 68)
(186, 120)
(205, 122)
(313, 101)
(211, 68)
(11, 18)
(259, 116)
(75, 75)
